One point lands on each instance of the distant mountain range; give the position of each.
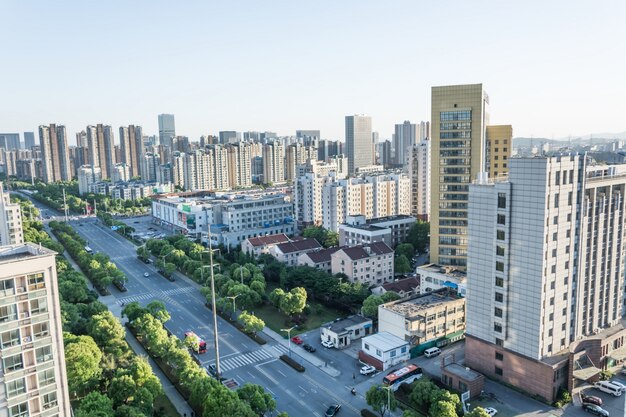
(575, 140)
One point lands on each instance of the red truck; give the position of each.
(201, 344)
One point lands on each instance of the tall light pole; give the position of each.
(217, 346)
(388, 388)
(233, 297)
(289, 336)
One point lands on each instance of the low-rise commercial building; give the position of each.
(131, 190)
(366, 264)
(427, 320)
(383, 350)
(392, 230)
(435, 277)
(342, 332)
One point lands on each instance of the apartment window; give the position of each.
(563, 326)
(35, 282)
(570, 195)
(557, 178)
(499, 282)
(568, 233)
(500, 235)
(41, 330)
(499, 342)
(565, 312)
(555, 236)
(567, 248)
(392, 354)
(498, 371)
(7, 287)
(555, 220)
(501, 219)
(20, 410)
(46, 377)
(43, 354)
(566, 264)
(16, 387)
(554, 253)
(499, 297)
(497, 311)
(8, 313)
(501, 200)
(10, 338)
(499, 356)
(378, 352)
(552, 285)
(500, 250)
(550, 333)
(13, 363)
(49, 400)
(551, 317)
(550, 347)
(563, 342)
(497, 327)
(38, 306)
(556, 200)
(499, 266)
(553, 269)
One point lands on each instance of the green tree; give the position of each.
(246, 298)
(260, 401)
(418, 236)
(446, 396)
(410, 413)
(106, 330)
(420, 396)
(158, 311)
(95, 405)
(442, 409)
(332, 239)
(276, 296)
(380, 398)
(402, 265)
(133, 311)
(251, 323)
(223, 402)
(143, 253)
(168, 269)
(142, 373)
(315, 232)
(390, 296)
(122, 389)
(477, 412)
(82, 363)
(370, 306)
(128, 411)
(405, 249)
(294, 301)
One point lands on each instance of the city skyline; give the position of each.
(309, 80)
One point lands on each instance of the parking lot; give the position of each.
(616, 406)
(144, 228)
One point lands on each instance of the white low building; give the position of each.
(342, 332)
(384, 350)
(434, 277)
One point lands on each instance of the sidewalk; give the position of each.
(312, 359)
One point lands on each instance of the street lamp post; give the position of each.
(215, 335)
(233, 297)
(388, 389)
(289, 336)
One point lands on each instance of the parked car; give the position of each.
(145, 274)
(308, 348)
(328, 344)
(212, 370)
(595, 409)
(332, 410)
(297, 340)
(590, 399)
(367, 370)
(491, 411)
(619, 384)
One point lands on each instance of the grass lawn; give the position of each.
(168, 408)
(276, 320)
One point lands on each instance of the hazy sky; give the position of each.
(551, 68)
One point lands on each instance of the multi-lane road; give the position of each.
(308, 393)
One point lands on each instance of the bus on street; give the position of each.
(407, 374)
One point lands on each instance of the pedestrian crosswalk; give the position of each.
(243, 359)
(281, 349)
(159, 294)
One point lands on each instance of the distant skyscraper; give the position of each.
(81, 139)
(167, 129)
(384, 153)
(403, 140)
(239, 165)
(34, 380)
(29, 140)
(273, 162)
(10, 141)
(131, 148)
(359, 146)
(423, 131)
(229, 136)
(10, 221)
(55, 153)
(459, 116)
(308, 137)
(419, 171)
(101, 146)
(499, 147)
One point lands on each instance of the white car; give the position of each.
(145, 274)
(619, 384)
(491, 411)
(367, 370)
(327, 344)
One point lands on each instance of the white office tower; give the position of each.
(423, 131)
(403, 140)
(167, 129)
(419, 172)
(87, 175)
(546, 274)
(34, 381)
(274, 162)
(10, 221)
(239, 165)
(359, 144)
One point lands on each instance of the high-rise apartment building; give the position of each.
(384, 153)
(239, 165)
(81, 139)
(329, 148)
(229, 136)
(419, 172)
(274, 162)
(10, 141)
(167, 129)
(403, 140)
(204, 169)
(29, 140)
(55, 153)
(131, 148)
(100, 142)
(423, 131)
(120, 172)
(87, 175)
(458, 119)
(499, 148)
(359, 145)
(546, 273)
(297, 154)
(34, 381)
(10, 221)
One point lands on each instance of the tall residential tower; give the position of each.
(359, 145)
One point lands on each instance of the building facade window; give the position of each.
(498, 371)
(499, 356)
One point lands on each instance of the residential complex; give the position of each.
(100, 144)
(546, 273)
(419, 172)
(273, 163)
(10, 221)
(87, 175)
(54, 153)
(34, 381)
(131, 148)
(365, 264)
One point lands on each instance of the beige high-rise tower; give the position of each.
(459, 114)
(499, 146)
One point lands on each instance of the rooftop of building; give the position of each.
(209, 198)
(416, 305)
(405, 285)
(365, 251)
(397, 217)
(385, 341)
(322, 255)
(12, 253)
(268, 240)
(440, 269)
(299, 245)
(462, 372)
(341, 325)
